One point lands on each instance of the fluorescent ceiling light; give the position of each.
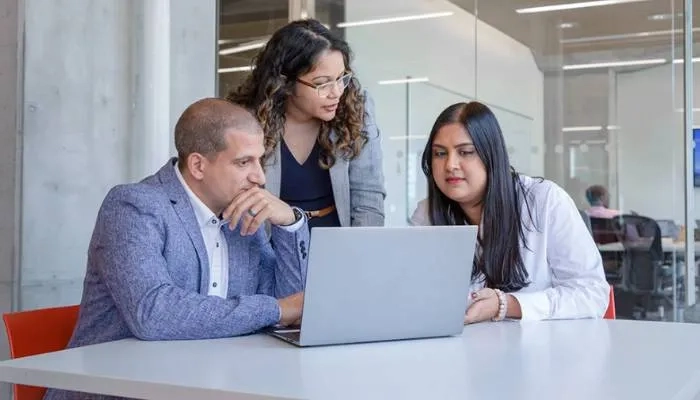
(663, 17)
(572, 6)
(681, 61)
(613, 64)
(623, 36)
(235, 69)
(582, 128)
(408, 137)
(243, 47)
(395, 19)
(587, 142)
(405, 80)
(593, 128)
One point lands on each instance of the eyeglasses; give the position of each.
(325, 89)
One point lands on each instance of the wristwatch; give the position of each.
(298, 214)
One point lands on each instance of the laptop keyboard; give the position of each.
(294, 336)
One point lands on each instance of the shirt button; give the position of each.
(213, 222)
(213, 284)
(217, 244)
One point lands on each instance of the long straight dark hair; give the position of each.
(500, 260)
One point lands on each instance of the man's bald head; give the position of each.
(202, 127)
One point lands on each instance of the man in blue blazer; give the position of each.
(184, 254)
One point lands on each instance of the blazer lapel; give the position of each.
(341, 190)
(341, 186)
(183, 209)
(273, 172)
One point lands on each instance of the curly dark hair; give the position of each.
(291, 52)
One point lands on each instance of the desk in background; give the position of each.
(668, 245)
(580, 359)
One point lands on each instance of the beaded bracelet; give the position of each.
(502, 305)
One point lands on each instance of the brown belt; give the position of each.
(320, 213)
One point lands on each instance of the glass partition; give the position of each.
(244, 27)
(587, 95)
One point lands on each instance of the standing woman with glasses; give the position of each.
(322, 145)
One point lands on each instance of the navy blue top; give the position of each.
(307, 185)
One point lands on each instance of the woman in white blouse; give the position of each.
(535, 258)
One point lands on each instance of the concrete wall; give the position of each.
(68, 93)
(10, 144)
(193, 54)
(84, 118)
(77, 113)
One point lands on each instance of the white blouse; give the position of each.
(563, 262)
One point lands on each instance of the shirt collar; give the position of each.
(204, 215)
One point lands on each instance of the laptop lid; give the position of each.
(369, 284)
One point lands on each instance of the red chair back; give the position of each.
(610, 312)
(37, 332)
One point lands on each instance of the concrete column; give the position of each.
(175, 62)
(77, 110)
(155, 142)
(10, 162)
(193, 55)
(150, 63)
(82, 84)
(120, 74)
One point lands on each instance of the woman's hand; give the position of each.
(484, 306)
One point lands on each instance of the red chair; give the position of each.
(610, 312)
(37, 332)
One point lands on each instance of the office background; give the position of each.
(90, 91)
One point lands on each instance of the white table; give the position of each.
(586, 359)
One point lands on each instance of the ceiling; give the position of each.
(245, 21)
(641, 29)
(615, 32)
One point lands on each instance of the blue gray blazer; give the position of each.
(358, 185)
(147, 270)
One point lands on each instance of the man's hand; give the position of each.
(255, 205)
(484, 306)
(291, 307)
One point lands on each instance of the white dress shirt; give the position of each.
(215, 240)
(562, 261)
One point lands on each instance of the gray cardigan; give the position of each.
(358, 185)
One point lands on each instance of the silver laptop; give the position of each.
(367, 284)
